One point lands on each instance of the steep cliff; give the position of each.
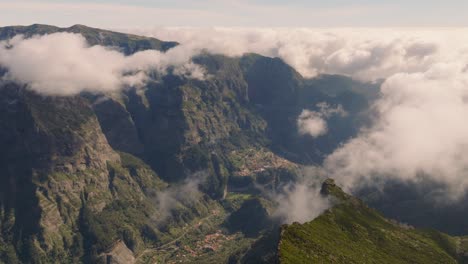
(54, 160)
(144, 174)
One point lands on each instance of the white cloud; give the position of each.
(419, 127)
(367, 54)
(300, 201)
(314, 123)
(64, 64)
(311, 123)
(420, 130)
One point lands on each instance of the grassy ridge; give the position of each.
(351, 232)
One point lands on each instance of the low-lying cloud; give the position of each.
(313, 123)
(184, 194)
(367, 54)
(419, 128)
(64, 64)
(301, 200)
(420, 131)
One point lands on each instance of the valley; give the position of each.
(210, 169)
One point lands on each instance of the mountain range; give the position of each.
(188, 170)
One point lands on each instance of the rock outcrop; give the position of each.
(118, 254)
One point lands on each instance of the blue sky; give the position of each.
(242, 13)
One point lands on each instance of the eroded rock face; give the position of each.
(118, 125)
(64, 193)
(54, 133)
(119, 254)
(54, 158)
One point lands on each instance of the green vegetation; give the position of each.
(233, 201)
(351, 232)
(70, 191)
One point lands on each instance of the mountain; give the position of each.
(127, 43)
(351, 232)
(181, 170)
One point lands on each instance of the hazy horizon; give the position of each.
(208, 13)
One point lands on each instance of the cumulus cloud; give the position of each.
(311, 123)
(420, 131)
(301, 201)
(314, 123)
(419, 127)
(367, 54)
(64, 64)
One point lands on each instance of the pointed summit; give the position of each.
(329, 188)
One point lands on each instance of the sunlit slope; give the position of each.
(351, 232)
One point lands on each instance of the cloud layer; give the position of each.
(64, 64)
(367, 54)
(419, 129)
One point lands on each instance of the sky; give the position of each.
(238, 13)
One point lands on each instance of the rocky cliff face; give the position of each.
(181, 126)
(65, 193)
(54, 159)
(175, 171)
(79, 173)
(118, 254)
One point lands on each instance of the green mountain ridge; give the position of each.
(351, 232)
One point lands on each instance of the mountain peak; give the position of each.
(128, 43)
(351, 232)
(79, 26)
(329, 188)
